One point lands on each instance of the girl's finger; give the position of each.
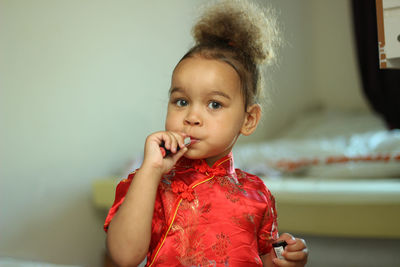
(179, 154)
(172, 142)
(181, 138)
(287, 237)
(297, 245)
(300, 255)
(168, 139)
(283, 263)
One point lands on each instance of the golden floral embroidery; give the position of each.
(221, 247)
(231, 186)
(245, 221)
(189, 239)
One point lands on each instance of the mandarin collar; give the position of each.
(223, 166)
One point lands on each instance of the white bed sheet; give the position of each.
(332, 145)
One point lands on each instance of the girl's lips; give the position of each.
(193, 140)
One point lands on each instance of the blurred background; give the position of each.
(82, 83)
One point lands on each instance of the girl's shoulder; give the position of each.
(245, 176)
(128, 180)
(251, 180)
(255, 186)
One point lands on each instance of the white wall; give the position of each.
(318, 65)
(82, 83)
(336, 80)
(289, 84)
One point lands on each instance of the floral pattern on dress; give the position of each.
(221, 248)
(200, 221)
(189, 238)
(232, 188)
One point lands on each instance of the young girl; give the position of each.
(192, 208)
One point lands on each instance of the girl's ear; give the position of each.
(251, 120)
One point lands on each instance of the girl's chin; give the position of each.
(193, 154)
(210, 159)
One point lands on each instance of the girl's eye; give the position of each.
(214, 105)
(181, 102)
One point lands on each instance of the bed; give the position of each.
(332, 174)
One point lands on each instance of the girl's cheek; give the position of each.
(169, 125)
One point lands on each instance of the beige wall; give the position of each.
(289, 84)
(336, 80)
(82, 83)
(317, 67)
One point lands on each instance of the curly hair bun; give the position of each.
(240, 24)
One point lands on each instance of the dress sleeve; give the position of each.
(120, 193)
(268, 231)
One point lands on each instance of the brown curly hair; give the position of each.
(241, 34)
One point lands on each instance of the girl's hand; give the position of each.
(295, 253)
(153, 157)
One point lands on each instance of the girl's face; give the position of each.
(206, 103)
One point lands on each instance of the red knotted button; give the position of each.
(186, 192)
(204, 168)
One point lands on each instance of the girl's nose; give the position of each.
(192, 118)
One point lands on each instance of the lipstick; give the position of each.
(165, 152)
(279, 247)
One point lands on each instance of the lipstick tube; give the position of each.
(165, 152)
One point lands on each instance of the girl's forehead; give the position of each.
(202, 71)
(199, 62)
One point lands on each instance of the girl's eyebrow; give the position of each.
(212, 93)
(220, 94)
(175, 90)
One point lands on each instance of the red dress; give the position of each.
(208, 216)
